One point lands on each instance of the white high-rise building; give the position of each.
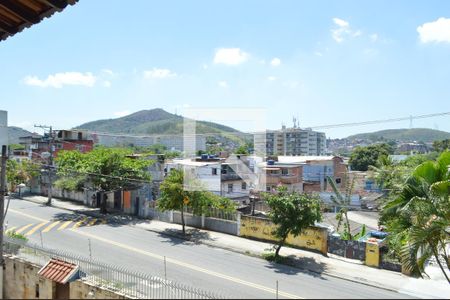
(292, 142)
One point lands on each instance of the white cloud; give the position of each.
(58, 80)
(275, 62)
(291, 84)
(205, 66)
(109, 72)
(159, 73)
(340, 22)
(107, 83)
(317, 53)
(374, 37)
(223, 84)
(122, 113)
(230, 56)
(437, 31)
(271, 78)
(343, 30)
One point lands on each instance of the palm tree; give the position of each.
(419, 217)
(343, 201)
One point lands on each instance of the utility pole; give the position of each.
(51, 140)
(2, 210)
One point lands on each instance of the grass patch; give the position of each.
(15, 235)
(270, 256)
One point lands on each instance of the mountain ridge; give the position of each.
(426, 135)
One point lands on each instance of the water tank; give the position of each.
(270, 162)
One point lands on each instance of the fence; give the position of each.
(115, 278)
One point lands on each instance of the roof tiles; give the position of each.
(58, 270)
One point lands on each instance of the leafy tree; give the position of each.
(343, 201)
(20, 172)
(176, 194)
(242, 150)
(418, 216)
(441, 146)
(107, 169)
(363, 157)
(291, 213)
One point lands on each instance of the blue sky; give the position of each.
(326, 62)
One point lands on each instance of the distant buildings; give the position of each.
(37, 146)
(291, 141)
(303, 173)
(174, 142)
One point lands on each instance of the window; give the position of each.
(214, 171)
(244, 186)
(338, 180)
(230, 188)
(268, 188)
(284, 172)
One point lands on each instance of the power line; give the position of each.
(329, 126)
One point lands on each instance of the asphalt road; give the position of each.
(231, 274)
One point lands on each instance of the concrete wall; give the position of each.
(313, 238)
(21, 281)
(70, 195)
(219, 225)
(189, 219)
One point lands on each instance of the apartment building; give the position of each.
(303, 173)
(171, 142)
(291, 142)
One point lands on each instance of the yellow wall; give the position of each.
(314, 238)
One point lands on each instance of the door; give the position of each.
(136, 206)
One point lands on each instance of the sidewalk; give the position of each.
(332, 265)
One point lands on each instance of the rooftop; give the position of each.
(16, 15)
(58, 271)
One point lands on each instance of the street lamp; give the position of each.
(20, 186)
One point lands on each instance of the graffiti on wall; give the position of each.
(314, 238)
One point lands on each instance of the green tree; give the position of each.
(107, 169)
(441, 146)
(363, 157)
(418, 216)
(291, 213)
(178, 193)
(242, 149)
(20, 172)
(343, 201)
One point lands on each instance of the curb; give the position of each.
(247, 253)
(252, 254)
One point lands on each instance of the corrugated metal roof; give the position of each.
(303, 159)
(58, 270)
(15, 15)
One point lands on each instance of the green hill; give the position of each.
(404, 135)
(159, 121)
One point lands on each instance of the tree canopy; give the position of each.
(363, 157)
(291, 212)
(177, 194)
(107, 169)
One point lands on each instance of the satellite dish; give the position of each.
(45, 155)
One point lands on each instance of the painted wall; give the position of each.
(314, 238)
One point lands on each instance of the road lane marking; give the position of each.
(63, 226)
(78, 224)
(92, 222)
(24, 228)
(189, 266)
(176, 262)
(27, 215)
(35, 228)
(10, 229)
(50, 227)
